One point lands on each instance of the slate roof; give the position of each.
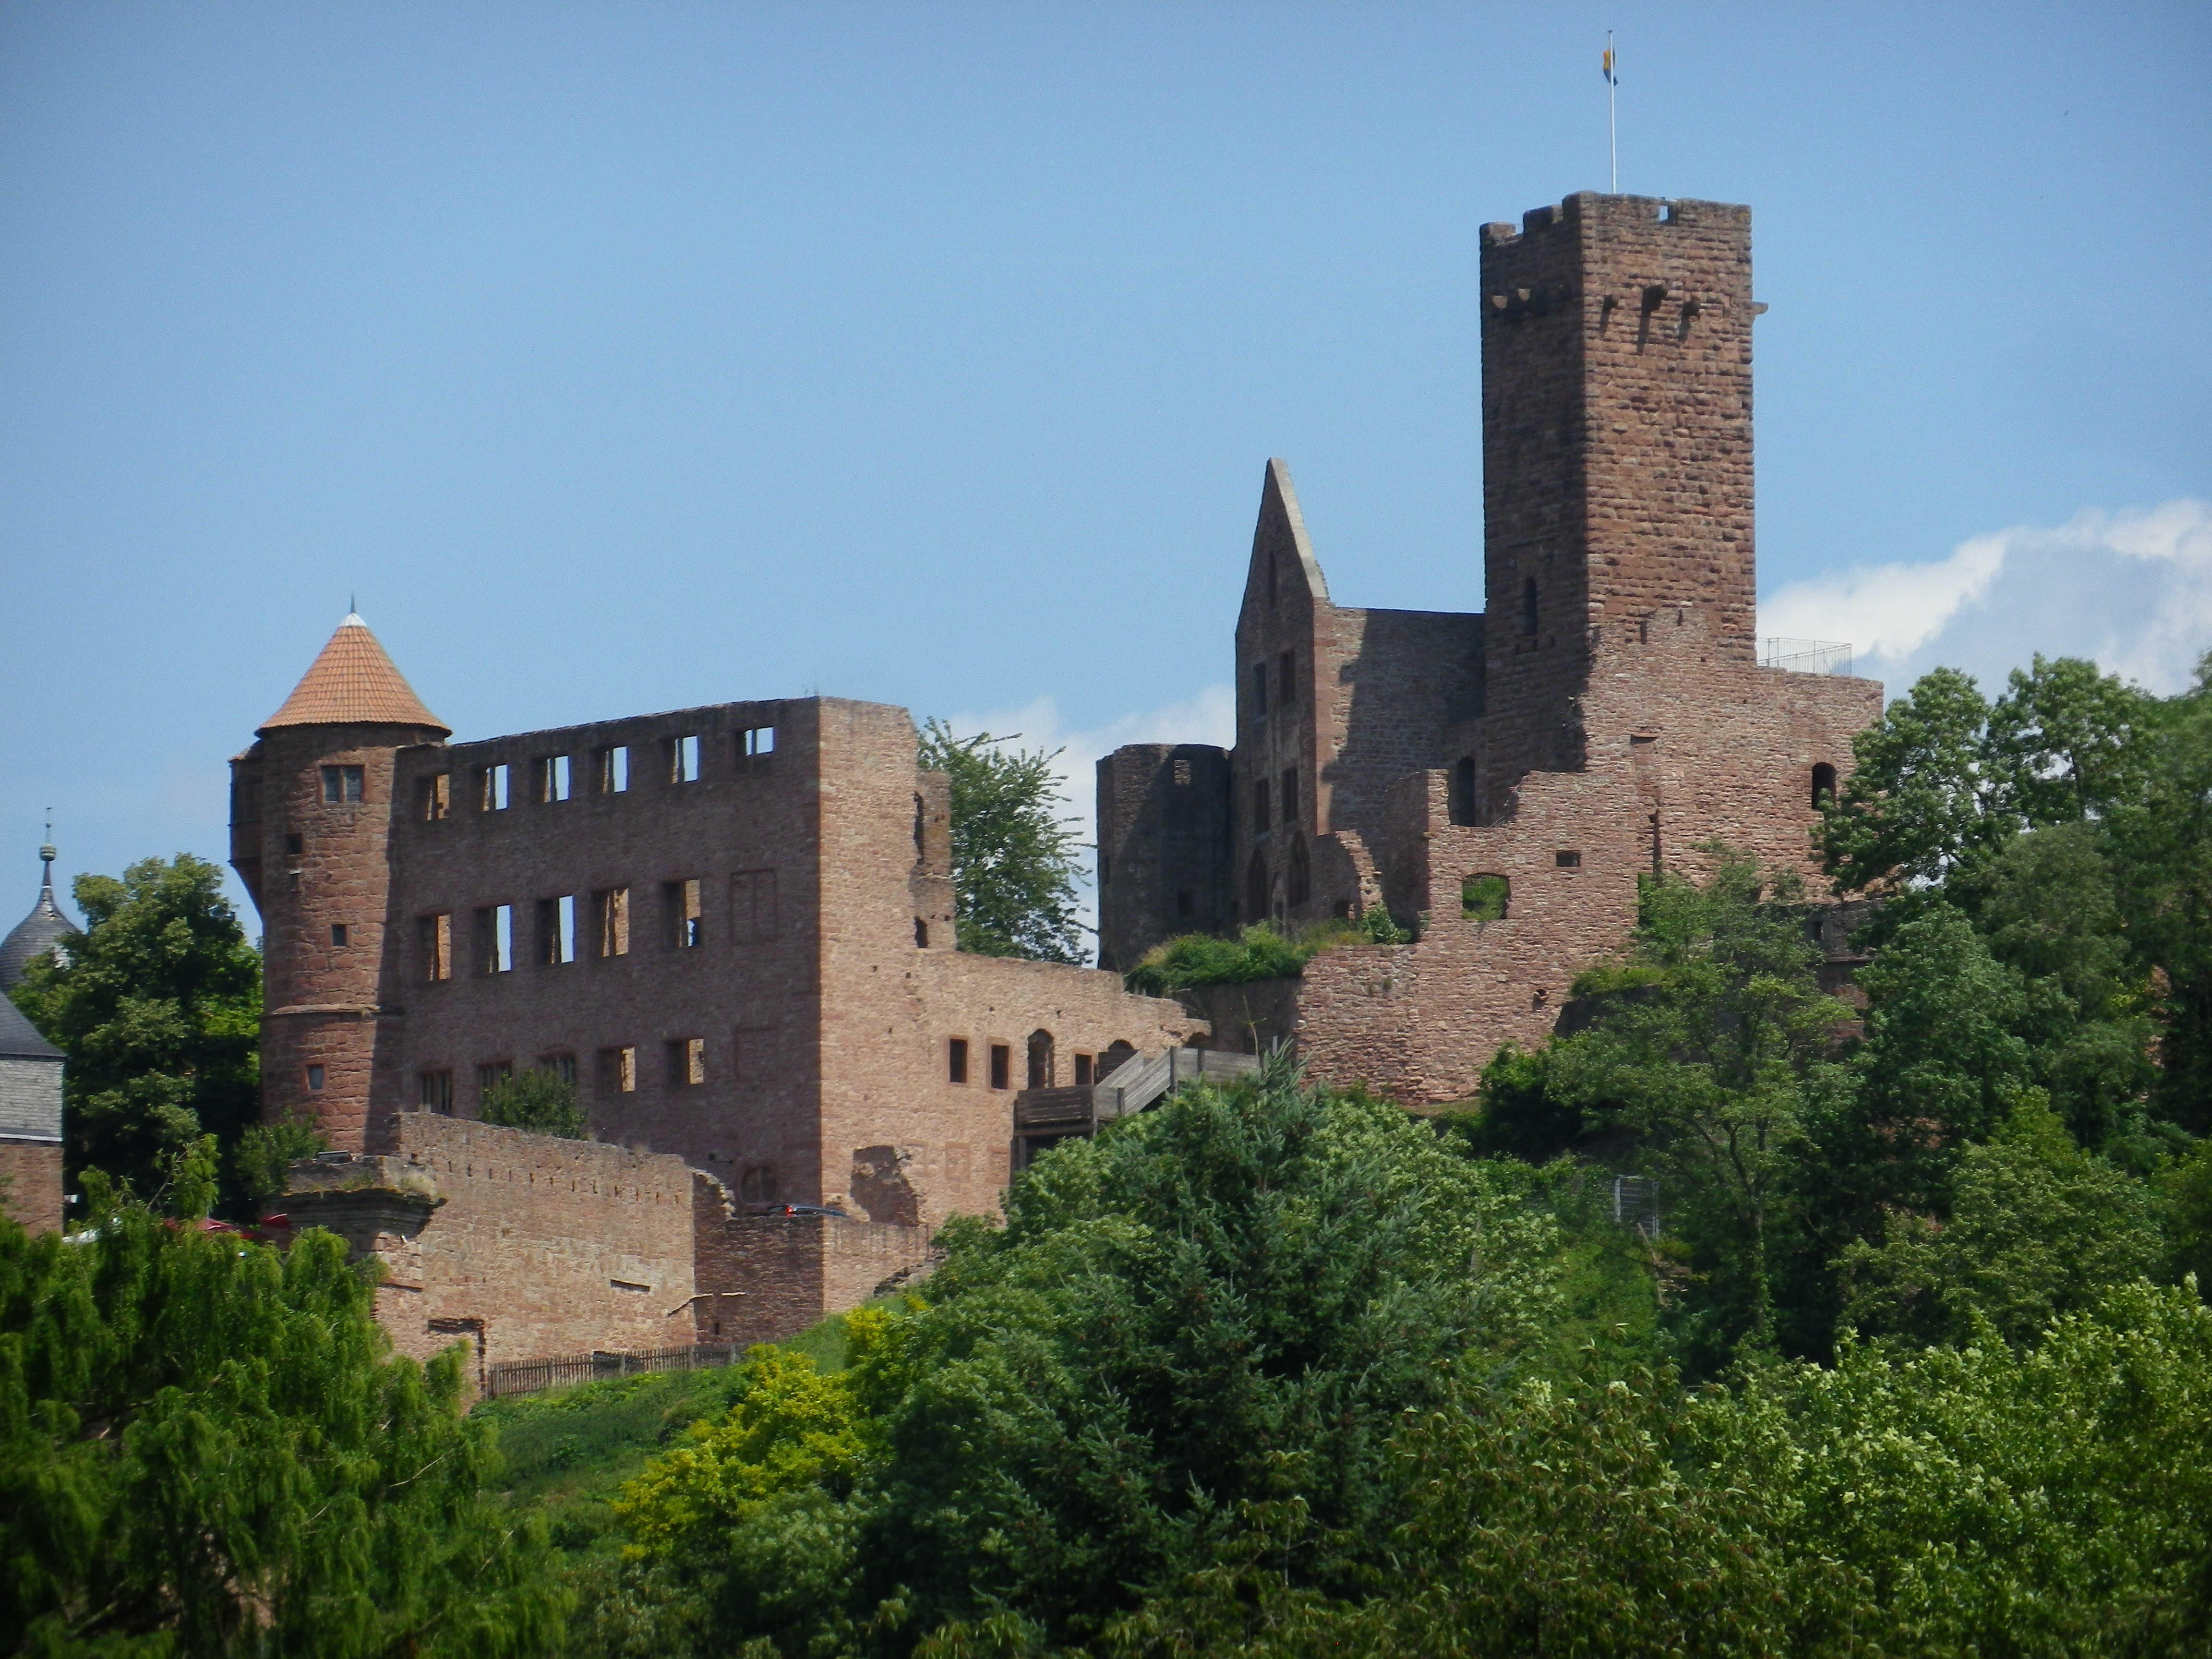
(20, 1039)
(36, 933)
(353, 683)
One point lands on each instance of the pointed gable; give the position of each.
(353, 683)
(1282, 557)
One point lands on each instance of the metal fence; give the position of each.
(1806, 656)
(536, 1376)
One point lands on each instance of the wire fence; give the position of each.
(1806, 656)
(536, 1375)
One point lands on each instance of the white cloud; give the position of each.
(1208, 717)
(2131, 590)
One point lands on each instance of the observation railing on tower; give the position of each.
(1806, 656)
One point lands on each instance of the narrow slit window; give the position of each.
(435, 935)
(1528, 610)
(552, 779)
(343, 785)
(491, 789)
(1002, 1064)
(1082, 1071)
(496, 938)
(614, 769)
(1260, 818)
(613, 907)
(1286, 678)
(683, 760)
(434, 1091)
(956, 1056)
(685, 925)
(340, 933)
(1259, 690)
(1824, 785)
(1463, 791)
(556, 930)
(618, 1071)
(437, 795)
(1290, 795)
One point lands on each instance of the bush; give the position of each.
(1258, 952)
(538, 1100)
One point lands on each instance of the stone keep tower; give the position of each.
(1616, 452)
(312, 818)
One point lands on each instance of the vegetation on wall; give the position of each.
(1015, 859)
(539, 1099)
(1258, 952)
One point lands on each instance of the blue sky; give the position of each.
(630, 356)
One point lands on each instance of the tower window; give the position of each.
(1290, 795)
(683, 760)
(1261, 820)
(491, 789)
(338, 933)
(1259, 690)
(956, 1060)
(1528, 617)
(1300, 883)
(614, 769)
(315, 1080)
(296, 845)
(1286, 678)
(1463, 791)
(1824, 785)
(342, 785)
(1567, 860)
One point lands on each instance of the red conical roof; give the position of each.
(353, 683)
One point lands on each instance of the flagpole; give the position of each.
(1612, 120)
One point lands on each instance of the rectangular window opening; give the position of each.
(562, 1065)
(490, 1074)
(1260, 818)
(618, 1071)
(434, 1091)
(556, 930)
(755, 741)
(681, 903)
(1082, 1071)
(552, 779)
(1568, 860)
(1259, 690)
(435, 937)
(342, 785)
(613, 919)
(491, 789)
(683, 760)
(614, 769)
(315, 1080)
(687, 1063)
(496, 938)
(436, 791)
(1286, 678)
(1002, 1064)
(339, 933)
(956, 1053)
(1290, 795)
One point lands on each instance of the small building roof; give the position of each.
(20, 1039)
(37, 934)
(354, 683)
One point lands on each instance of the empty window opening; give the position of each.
(339, 932)
(1289, 807)
(491, 789)
(1528, 614)
(1484, 898)
(1259, 690)
(435, 937)
(1463, 791)
(436, 794)
(956, 1060)
(434, 1091)
(683, 760)
(1082, 1078)
(921, 828)
(496, 938)
(1286, 678)
(1002, 1064)
(556, 930)
(1300, 883)
(757, 1184)
(552, 779)
(315, 1080)
(755, 741)
(489, 1075)
(1186, 902)
(921, 935)
(1181, 774)
(1041, 1067)
(1824, 785)
(1260, 818)
(296, 845)
(687, 1063)
(342, 785)
(681, 900)
(752, 906)
(1255, 889)
(612, 920)
(1568, 860)
(562, 1064)
(618, 1071)
(1117, 1051)
(614, 769)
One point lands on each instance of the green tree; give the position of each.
(159, 1011)
(539, 1099)
(206, 1450)
(1014, 859)
(266, 1151)
(1713, 1062)
(2038, 1228)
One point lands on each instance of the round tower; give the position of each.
(312, 818)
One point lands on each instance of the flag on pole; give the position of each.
(1611, 78)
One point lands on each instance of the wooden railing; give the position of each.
(536, 1376)
(1043, 1116)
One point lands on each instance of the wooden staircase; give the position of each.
(1044, 1117)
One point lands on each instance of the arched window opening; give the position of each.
(1116, 1051)
(1484, 897)
(1301, 875)
(1463, 791)
(1529, 606)
(1824, 784)
(1255, 889)
(1040, 1059)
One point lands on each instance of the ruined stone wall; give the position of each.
(32, 1196)
(742, 980)
(764, 1278)
(1165, 845)
(541, 1247)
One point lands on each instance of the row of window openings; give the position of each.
(752, 918)
(1281, 688)
(683, 1065)
(553, 778)
(1041, 1070)
(1262, 819)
